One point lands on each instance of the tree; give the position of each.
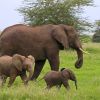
(96, 36)
(0, 32)
(68, 12)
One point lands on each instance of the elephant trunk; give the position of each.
(30, 70)
(72, 76)
(79, 62)
(76, 84)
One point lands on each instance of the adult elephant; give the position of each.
(43, 42)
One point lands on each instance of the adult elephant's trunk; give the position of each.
(79, 62)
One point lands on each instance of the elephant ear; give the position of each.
(31, 58)
(67, 74)
(60, 35)
(71, 74)
(17, 61)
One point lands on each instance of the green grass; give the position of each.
(88, 80)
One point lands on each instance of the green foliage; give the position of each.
(88, 80)
(96, 36)
(85, 38)
(56, 12)
(97, 23)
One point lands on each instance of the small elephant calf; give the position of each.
(57, 78)
(16, 66)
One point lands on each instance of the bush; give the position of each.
(85, 38)
(96, 37)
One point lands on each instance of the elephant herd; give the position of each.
(23, 46)
(13, 66)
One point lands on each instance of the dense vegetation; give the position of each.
(88, 80)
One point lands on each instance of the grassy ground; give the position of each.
(88, 80)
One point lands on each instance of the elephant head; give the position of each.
(68, 74)
(22, 62)
(68, 38)
(17, 61)
(28, 65)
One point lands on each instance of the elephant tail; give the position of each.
(62, 69)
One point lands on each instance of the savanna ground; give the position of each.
(88, 80)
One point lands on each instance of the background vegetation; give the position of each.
(96, 36)
(85, 38)
(38, 12)
(88, 80)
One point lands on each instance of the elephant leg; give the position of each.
(4, 80)
(59, 86)
(54, 61)
(66, 85)
(49, 87)
(1, 80)
(37, 69)
(11, 81)
(24, 78)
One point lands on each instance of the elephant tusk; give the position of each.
(84, 51)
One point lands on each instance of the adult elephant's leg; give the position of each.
(37, 69)
(53, 59)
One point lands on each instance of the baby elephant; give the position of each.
(57, 78)
(16, 66)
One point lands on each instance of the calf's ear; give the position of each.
(17, 62)
(31, 58)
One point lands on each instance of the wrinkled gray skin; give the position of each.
(16, 66)
(42, 42)
(57, 78)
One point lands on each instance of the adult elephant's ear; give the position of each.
(59, 34)
(17, 61)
